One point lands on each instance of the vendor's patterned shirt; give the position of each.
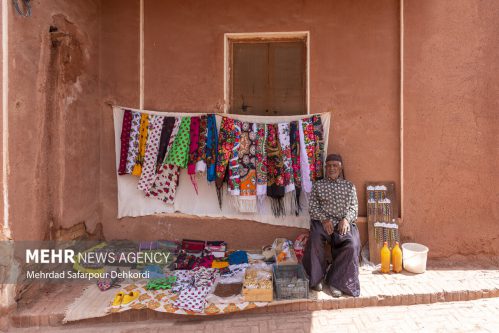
(333, 200)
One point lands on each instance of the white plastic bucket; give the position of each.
(414, 257)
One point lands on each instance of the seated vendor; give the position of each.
(333, 212)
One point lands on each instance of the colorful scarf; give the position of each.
(234, 181)
(261, 162)
(125, 141)
(294, 140)
(193, 151)
(275, 166)
(284, 141)
(226, 139)
(144, 125)
(201, 154)
(304, 159)
(319, 147)
(133, 146)
(211, 147)
(179, 153)
(247, 171)
(165, 184)
(148, 174)
(166, 132)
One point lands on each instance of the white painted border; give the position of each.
(264, 36)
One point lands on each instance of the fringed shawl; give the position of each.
(226, 139)
(275, 166)
(211, 148)
(247, 171)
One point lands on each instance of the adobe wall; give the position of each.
(54, 125)
(452, 126)
(354, 73)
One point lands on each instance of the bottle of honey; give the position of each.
(385, 258)
(397, 258)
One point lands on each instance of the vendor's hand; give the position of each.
(343, 227)
(328, 226)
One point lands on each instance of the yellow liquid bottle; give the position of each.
(397, 258)
(385, 258)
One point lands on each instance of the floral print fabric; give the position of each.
(148, 174)
(211, 148)
(247, 168)
(144, 125)
(261, 161)
(284, 141)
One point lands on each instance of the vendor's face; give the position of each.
(333, 169)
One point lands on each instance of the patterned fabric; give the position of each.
(125, 141)
(261, 161)
(194, 145)
(149, 168)
(234, 181)
(165, 184)
(196, 284)
(226, 139)
(193, 151)
(284, 141)
(179, 153)
(275, 166)
(319, 147)
(211, 148)
(333, 200)
(144, 125)
(304, 160)
(294, 140)
(133, 147)
(203, 131)
(166, 132)
(247, 171)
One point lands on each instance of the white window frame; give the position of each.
(270, 36)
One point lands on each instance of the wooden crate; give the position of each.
(258, 295)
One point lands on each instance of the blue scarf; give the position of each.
(211, 148)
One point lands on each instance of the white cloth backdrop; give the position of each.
(133, 202)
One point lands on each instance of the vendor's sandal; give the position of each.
(118, 299)
(130, 297)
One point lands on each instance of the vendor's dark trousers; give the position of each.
(344, 272)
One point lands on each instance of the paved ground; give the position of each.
(471, 316)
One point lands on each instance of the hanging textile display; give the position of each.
(179, 153)
(166, 180)
(193, 150)
(319, 147)
(166, 132)
(201, 152)
(294, 141)
(226, 140)
(261, 163)
(125, 141)
(275, 168)
(133, 142)
(247, 170)
(144, 125)
(211, 148)
(267, 164)
(148, 174)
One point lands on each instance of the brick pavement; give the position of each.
(471, 316)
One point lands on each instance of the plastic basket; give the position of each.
(291, 282)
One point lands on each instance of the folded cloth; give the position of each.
(238, 257)
(219, 264)
(226, 290)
